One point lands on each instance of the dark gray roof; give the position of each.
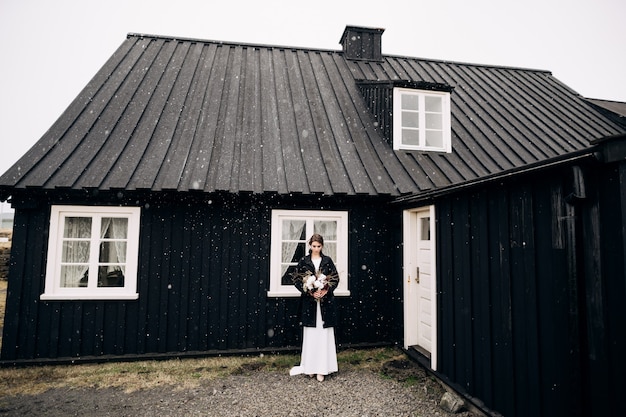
(184, 114)
(617, 107)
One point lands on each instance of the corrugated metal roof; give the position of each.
(617, 107)
(183, 114)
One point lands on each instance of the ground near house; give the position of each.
(371, 382)
(260, 393)
(375, 382)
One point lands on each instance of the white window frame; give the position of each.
(53, 289)
(276, 287)
(398, 144)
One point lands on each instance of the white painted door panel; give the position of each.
(419, 282)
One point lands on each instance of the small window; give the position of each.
(421, 120)
(424, 228)
(291, 230)
(92, 253)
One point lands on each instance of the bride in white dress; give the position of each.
(316, 278)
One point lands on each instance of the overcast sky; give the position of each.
(51, 49)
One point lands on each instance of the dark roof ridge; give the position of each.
(605, 100)
(338, 51)
(472, 64)
(230, 43)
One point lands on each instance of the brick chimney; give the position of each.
(362, 43)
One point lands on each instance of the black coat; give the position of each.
(308, 302)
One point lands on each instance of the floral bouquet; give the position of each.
(316, 282)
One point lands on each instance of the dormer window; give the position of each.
(421, 120)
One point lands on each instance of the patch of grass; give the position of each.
(367, 358)
(182, 374)
(412, 381)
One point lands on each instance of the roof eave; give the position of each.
(589, 153)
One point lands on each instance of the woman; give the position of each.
(316, 278)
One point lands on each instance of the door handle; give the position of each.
(417, 277)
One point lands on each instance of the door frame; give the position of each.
(410, 218)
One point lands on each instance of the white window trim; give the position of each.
(53, 289)
(397, 120)
(279, 290)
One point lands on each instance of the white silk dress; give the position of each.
(319, 353)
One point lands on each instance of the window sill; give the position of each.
(80, 297)
(422, 150)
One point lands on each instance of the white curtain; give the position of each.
(292, 235)
(75, 251)
(328, 230)
(77, 247)
(114, 230)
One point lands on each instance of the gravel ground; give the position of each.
(257, 393)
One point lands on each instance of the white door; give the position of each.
(419, 282)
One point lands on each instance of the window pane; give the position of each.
(74, 276)
(425, 228)
(434, 138)
(77, 227)
(330, 249)
(326, 228)
(293, 230)
(434, 121)
(292, 252)
(285, 273)
(410, 119)
(76, 251)
(114, 228)
(110, 276)
(433, 104)
(410, 102)
(410, 137)
(112, 252)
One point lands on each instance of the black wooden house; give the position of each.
(476, 214)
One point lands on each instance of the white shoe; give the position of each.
(320, 377)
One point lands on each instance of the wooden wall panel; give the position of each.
(603, 302)
(203, 280)
(523, 295)
(445, 287)
(481, 297)
(556, 329)
(461, 261)
(613, 229)
(500, 287)
(26, 328)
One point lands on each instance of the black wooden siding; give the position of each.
(204, 270)
(532, 293)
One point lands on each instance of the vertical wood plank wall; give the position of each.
(531, 294)
(204, 270)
